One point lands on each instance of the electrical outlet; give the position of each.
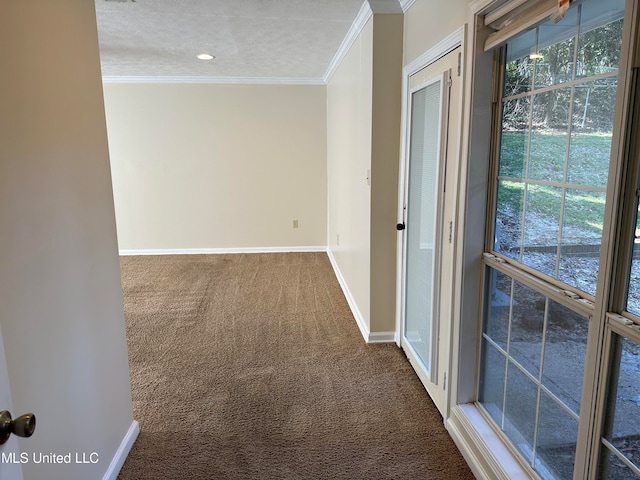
(295, 224)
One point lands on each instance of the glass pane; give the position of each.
(518, 75)
(561, 135)
(515, 139)
(508, 235)
(548, 149)
(496, 318)
(556, 440)
(633, 296)
(592, 128)
(581, 238)
(623, 408)
(527, 323)
(421, 218)
(520, 411)
(564, 354)
(613, 468)
(542, 227)
(600, 41)
(556, 47)
(519, 65)
(492, 369)
(539, 334)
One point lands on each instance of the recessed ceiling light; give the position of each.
(206, 56)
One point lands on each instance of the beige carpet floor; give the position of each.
(252, 367)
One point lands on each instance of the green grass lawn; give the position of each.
(587, 165)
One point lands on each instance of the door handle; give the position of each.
(400, 226)
(23, 426)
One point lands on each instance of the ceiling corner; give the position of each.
(385, 6)
(406, 4)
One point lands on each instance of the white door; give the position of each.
(427, 199)
(10, 467)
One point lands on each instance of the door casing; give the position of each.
(438, 385)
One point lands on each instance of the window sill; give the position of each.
(485, 452)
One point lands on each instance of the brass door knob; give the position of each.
(23, 426)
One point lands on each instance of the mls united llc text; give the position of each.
(39, 457)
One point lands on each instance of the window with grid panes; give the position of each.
(558, 91)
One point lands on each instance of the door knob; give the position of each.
(23, 426)
(400, 226)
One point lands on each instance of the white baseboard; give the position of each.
(369, 337)
(362, 325)
(382, 337)
(220, 251)
(122, 452)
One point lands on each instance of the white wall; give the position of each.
(349, 116)
(218, 166)
(426, 23)
(363, 147)
(61, 301)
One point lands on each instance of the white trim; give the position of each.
(406, 5)
(362, 325)
(446, 45)
(385, 6)
(369, 337)
(108, 79)
(438, 78)
(439, 50)
(358, 24)
(381, 337)
(123, 451)
(220, 251)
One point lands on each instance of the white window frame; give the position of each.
(486, 453)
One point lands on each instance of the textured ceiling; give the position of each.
(294, 39)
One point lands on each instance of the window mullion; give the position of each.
(525, 180)
(565, 175)
(558, 86)
(573, 186)
(621, 457)
(540, 376)
(506, 365)
(496, 118)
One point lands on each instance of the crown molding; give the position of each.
(369, 7)
(358, 24)
(385, 6)
(108, 79)
(406, 4)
